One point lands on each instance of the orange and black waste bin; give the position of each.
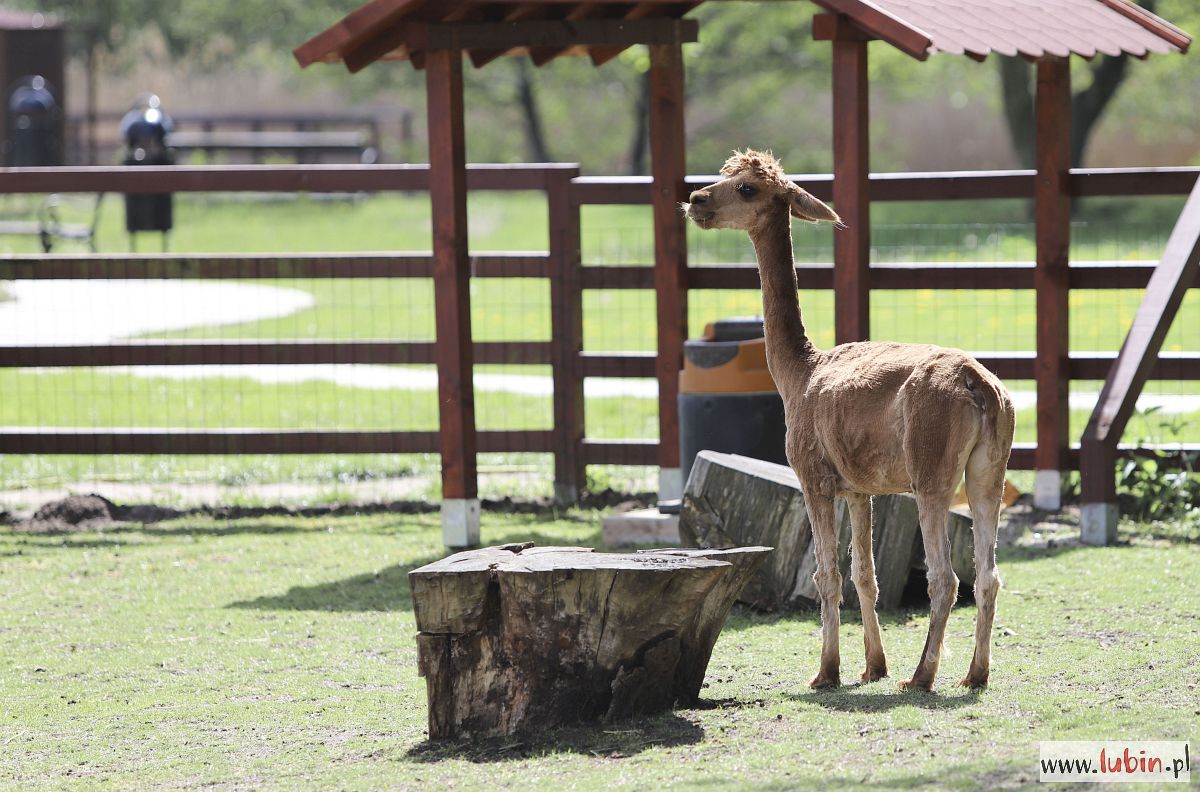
(727, 399)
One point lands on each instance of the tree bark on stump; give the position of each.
(520, 637)
(732, 500)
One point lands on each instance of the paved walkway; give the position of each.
(72, 312)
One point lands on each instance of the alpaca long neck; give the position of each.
(788, 345)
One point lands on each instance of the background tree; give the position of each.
(1099, 81)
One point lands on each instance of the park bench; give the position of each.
(302, 145)
(51, 224)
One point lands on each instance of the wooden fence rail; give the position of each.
(560, 264)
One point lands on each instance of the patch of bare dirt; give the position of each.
(74, 513)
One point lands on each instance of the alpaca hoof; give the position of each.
(917, 684)
(822, 682)
(974, 683)
(873, 674)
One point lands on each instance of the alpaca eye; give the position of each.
(746, 191)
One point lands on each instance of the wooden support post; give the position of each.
(1174, 275)
(669, 169)
(851, 189)
(1052, 209)
(566, 319)
(452, 298)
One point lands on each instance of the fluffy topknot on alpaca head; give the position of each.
(761, 164)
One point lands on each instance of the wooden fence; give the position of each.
(561, 264)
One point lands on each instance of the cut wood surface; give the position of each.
(732, 500)
(521, 637)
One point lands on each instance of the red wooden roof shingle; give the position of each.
(1029, 28)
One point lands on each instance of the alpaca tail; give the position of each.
(997, 413)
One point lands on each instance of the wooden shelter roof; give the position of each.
(1030, 28)
(486, 29)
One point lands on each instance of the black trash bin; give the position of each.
(34, 124)
(145, 129)
(727, 399)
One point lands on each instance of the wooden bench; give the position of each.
(49, 226)
(302, 145)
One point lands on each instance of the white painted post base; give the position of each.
(1047, 490)
(670, 484)
(565, 494)
(1098, 523)
(460, 522)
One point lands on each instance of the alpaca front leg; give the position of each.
(943, 586)
(862, 572)
(829, 586)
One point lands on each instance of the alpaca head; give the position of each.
(753, 192)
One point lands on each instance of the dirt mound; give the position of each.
(74, 513)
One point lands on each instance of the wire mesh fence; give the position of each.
(514, 398)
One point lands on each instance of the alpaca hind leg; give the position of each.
(862, 572)
(943, 584)
(985, 487)
(828, 579)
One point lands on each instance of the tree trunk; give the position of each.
(531, 113)
(519, 637)
(1016, 83)
(732, 500)
(1087, 106)
(640, 142)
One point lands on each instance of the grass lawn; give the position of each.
(278, 653)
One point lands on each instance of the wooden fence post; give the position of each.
(668, 166)
(566, 322)
(452, 298)
(1051, 279)
(851, 188)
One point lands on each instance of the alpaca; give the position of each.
(870, 418)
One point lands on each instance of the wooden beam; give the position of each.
(585, 10)
(851, 192)
(482, 57)
(451, 274)
(834, 27)
(234, 352)
(1139, 355)
(668, 166)
(429, 37)
(68, 440)
(1051, 279)
(643, 10)
(566, 318)
(881, 24)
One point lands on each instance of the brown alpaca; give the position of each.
(871, 418)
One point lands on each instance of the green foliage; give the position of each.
(1162, 485)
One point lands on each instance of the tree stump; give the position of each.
(521, 637)
(732, 500)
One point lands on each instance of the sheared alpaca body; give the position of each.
(871, 418)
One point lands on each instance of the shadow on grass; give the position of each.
(384, 590)
(605, 741)
(986, 774)
(874, 698)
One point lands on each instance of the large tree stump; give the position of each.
(521, 637)
(732, 500)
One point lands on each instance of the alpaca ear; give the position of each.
(805, 207)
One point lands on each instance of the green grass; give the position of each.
(279, 654)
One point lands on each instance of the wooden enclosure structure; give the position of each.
(561, 265)
(375, 34)
(436, 37)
